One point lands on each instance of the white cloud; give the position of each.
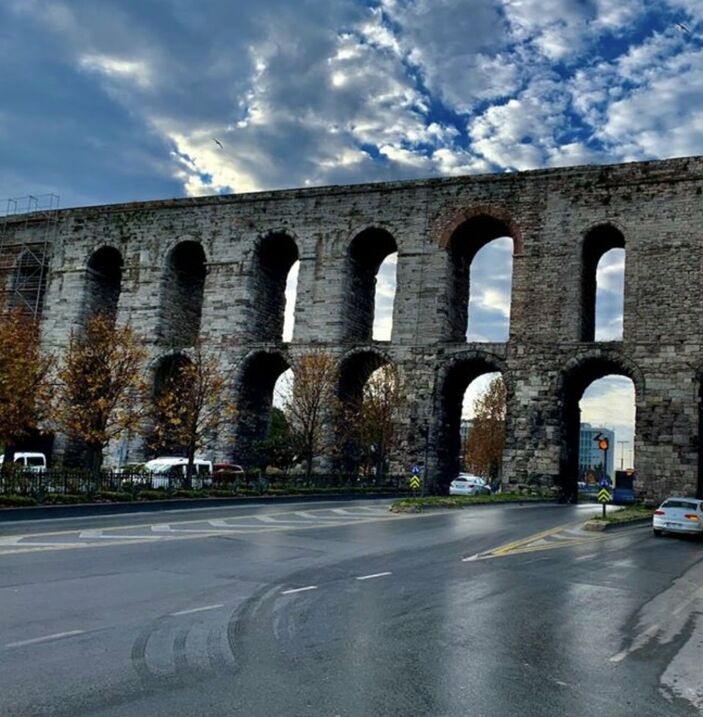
(118, 68)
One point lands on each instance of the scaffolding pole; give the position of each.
(28, 228)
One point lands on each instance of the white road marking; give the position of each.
(585, 557)
(299, 590)
(45, 638)
(373, 575)
(197, 609)
(620, 656)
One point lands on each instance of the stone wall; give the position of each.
(653, 209)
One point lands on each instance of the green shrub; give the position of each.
(16, 501)
(112, 496)
(65, 499)
(151, 495)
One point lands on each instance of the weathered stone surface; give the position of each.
(561, 221)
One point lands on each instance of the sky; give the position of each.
(120, 100)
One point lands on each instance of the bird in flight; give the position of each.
(218, 143)
(683, 27)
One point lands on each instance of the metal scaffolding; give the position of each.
(28, 227)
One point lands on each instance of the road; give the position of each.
(344, 609)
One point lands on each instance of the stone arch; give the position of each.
(355, 369)
(163, 369)
(103, 284)
(274, 255)
(365, 254)
(597, 240)
(453, 378)
(256, 379)
(576, 375)
(183, 288)
(29, 281)
(463, 237)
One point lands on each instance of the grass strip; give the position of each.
(625, 515)
(415, 505)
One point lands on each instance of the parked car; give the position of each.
(679, 515)
(227, 471)
(32, 462)
(167, 470)
(467, 484)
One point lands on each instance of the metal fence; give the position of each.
(148, 485)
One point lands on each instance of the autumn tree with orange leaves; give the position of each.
(192, 403)
(483, 452)
(310, 403)
(24, 378)
(101, 390)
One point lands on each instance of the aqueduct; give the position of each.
(216, 267)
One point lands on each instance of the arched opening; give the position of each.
(274, 257)
(599, 398)
(369, 294)
(255, 394)
(29, 282)
(463, 382)
(488, 316)
(182, 295)
(166, 377)
(482, 428)
(369, 394)
(291, 295)
(602, 284)
(103, 283)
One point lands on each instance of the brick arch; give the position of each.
(483, 210)
(463, 237)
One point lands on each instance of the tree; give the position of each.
(101, 390)
(483, 452)
(192, 403)
(279, 448)
(375, 420)
(25, 390)
(311, 401)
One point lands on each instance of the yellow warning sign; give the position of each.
(415, 482)
(604, 496)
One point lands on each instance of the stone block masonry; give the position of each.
(218, 264)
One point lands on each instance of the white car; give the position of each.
(679, 515)
(165, 469)
(467, 484)
(32, 462)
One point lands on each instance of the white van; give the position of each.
(33, 462)
(166, 468)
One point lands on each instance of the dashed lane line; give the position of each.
(45, 638)
(373, 575)
(299, 590)
(193, 610)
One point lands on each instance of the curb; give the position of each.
(601, 526)
(43, 512)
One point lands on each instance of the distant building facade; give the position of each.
(590, 456)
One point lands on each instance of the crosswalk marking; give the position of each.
(242, 525)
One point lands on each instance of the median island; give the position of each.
(420, 503)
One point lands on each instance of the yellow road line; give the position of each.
(510, 547)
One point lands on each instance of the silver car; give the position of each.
(679, 515)
(467, 484)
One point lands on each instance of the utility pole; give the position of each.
(622, 452)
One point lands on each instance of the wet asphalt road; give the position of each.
(343, 609)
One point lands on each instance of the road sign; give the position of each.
(604, 496)
(415, 482)
(416, 470)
